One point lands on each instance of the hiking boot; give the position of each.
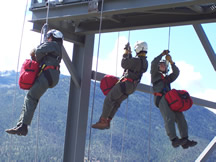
(176, 142)
(20, 130)
(108, 120)
(189, 144)
(101, 124)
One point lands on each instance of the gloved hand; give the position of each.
(165, 52)
(169, 58)
(127, 48)
(32, 54)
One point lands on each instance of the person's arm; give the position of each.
(174, 75)
(43, 50)
(155, 62)
(175, 69)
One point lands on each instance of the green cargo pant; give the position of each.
(36, 91)
(115, 97)
(170, 117)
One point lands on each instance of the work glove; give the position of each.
(165, 52)
(127, 48)
(169, 58)
(32, 54)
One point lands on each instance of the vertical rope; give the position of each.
(43, 31)
(100, 26)
(17, 69)
(125, 120)
(124, 129)
(169, 38)
(116, 71)
(37, 137)
(150, 110)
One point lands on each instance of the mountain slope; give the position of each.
(133, 126)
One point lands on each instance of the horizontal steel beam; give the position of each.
(68, 36)
(147, 89)
(78, 13)
(80, 10)
(145, 22)
(207, 151)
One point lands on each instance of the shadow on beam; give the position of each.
(147, 89)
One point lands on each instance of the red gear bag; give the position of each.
(107, 83)
(179, 100)
(28, 74)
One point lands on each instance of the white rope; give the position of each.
(125, 120)
(43, 31)
(100, 26)
(17, 69)
(116, 72)
(169, 38)
(150, 110)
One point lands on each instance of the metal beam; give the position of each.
(70, 67)
(120, 15)
(77, 116)
(80, 10)
(147, 89)
(207, 151)
(206, 44)
(68, 36)
(149, 21)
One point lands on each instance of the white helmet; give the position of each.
(140, 46)
(55, 33)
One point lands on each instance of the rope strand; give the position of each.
(125, 120)
(17, 69)
(43, 31)
(150, 110)
(100, 26)
(169, 38)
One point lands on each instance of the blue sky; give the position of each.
(196, 72)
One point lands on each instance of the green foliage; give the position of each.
(135, 126)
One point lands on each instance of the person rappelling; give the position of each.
(49, 56)
(161, 86)
(134, 67)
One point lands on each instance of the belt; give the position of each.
(51, 67)
(127, 79)
(158, 94)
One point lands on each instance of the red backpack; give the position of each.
(107, 83)
(28, 74)
(179, 100)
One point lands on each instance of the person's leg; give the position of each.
(127, 88)
(182, 124)
(183, 130)
(169, 118)
(169, 121)
(112, 101)
(30, 103)
(110, 105)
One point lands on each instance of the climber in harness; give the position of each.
(134, 67)
(161, 85)
(48, 55)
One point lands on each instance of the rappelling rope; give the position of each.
(17, 69)
(95, 76)
(150, 111)
(116, 73)
(169, 38)
(125, 120)
(44, 30)
(150, 104)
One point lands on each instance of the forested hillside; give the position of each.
(136, 129)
